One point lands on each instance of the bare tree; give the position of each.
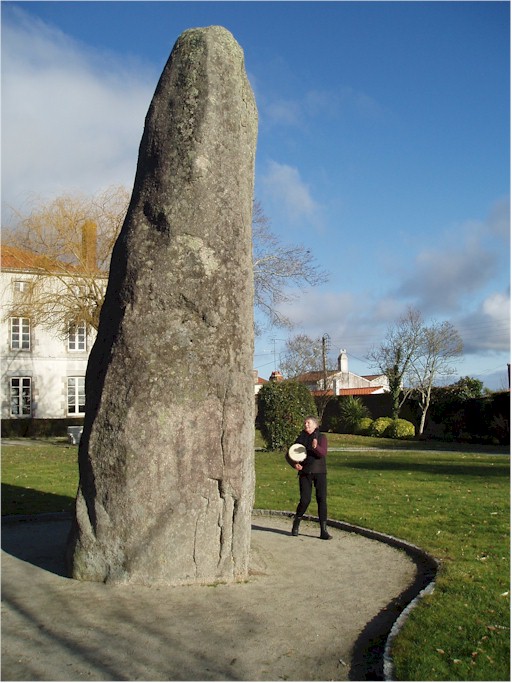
(397, 353)
(302, 354)
(440, 344)
(277, 267)
(70, 270)
(66, 245)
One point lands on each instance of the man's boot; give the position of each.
(296, 524)
(324, 534)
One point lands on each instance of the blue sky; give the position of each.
(384, 146)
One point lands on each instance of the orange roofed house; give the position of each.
(43, 369)
(341, 382)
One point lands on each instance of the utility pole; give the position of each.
(326, 342)
(275, 357)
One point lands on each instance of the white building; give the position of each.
(43, 372)
(342, 382)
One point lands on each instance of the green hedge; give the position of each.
(380, 425)
(400, 429)
(364, 426)
(32, 427)
(283, 407)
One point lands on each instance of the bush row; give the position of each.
(385, 427)
(38, 427)
(485, 419)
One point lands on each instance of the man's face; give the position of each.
(309, 426)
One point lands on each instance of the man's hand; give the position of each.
(314, 444)
(298, 466)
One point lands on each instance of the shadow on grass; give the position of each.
(370, 647)
(447, 469)
(17, 500)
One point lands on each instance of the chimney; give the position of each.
(89, 232)
(276, 376)
(343, 362)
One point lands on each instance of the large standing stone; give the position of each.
(166, 457)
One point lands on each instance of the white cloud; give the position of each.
(442, 278)
(487, 329)
(341, 100)
(347, 318)
(286, 112)
(316, 309)
(498, 222)
(318, 104)
(283, 184)
(71, 119)
(463, 264)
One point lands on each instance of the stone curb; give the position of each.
(427, 567)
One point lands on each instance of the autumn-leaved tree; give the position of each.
(72, 239)
(66, 245)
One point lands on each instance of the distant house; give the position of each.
(341, 382)
(258, 382)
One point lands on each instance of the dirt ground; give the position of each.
(311, 610)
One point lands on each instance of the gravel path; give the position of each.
(311, 610)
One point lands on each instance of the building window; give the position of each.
(20, 334)
(21, 396)
(21, 287)
(77, 337)
(76, 395)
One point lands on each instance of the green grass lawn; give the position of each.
(41, 476)
(452, 503)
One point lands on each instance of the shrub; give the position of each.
(400, 429)
(380, 425)
(352, 410)
(500, 429)
(283, 407)
(332, 423)
(364, 426)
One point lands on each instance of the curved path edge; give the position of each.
(381, 626)
(427, 568)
